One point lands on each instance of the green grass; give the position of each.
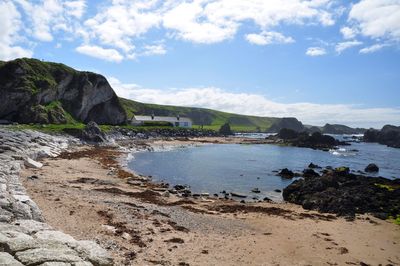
(209, 119)
(48, 128)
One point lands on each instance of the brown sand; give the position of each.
(87, 195)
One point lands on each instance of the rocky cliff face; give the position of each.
(288, 123)
(32, 91)
(341, 129)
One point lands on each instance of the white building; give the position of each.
(176, 121)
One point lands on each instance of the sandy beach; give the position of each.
(87, 194)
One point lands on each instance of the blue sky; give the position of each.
(322, 61)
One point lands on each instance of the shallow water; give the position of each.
(240, 168)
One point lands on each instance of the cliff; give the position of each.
(32, 91)
(288, 123)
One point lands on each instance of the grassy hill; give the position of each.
(210, 119)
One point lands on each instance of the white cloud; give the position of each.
(111, 55)
(268, 37)
(254, 104)
(340, 47)
(377, 18)
(315, 51)
(156, 49)
(205, 21)
(372, 48)
(76, 8)
(118, 24)
(10, 21)
(348, 33)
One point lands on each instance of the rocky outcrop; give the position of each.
(305, 140)
(32, 91)
(389, 135)
(286, 122)
(341, 129)
(24, 238)
(343, 193)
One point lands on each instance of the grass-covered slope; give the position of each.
(210, 119)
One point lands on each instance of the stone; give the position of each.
(55, 236)
(372, 168)
(42, 255)
(286, 173)
(7, 259)
(32, 163)
(94, 253)
(32, 226)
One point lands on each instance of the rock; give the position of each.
(267, 199)
(372, 168)
(255, 190)
(50, 235)
(278, 190)
(93, 133)
(313, 166)
(389, 135)
(42, 255)
(346, 194)
(32, 163)
(309, 173)
(238, 195)
(7, 259)
(342, 171)
(286, 173)
(94, 253)
(33, 91)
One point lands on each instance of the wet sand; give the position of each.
(88, 195)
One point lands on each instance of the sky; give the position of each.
(322, 61)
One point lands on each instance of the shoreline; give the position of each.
(143, 222)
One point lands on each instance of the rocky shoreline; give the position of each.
(25, 239)
(150, 221)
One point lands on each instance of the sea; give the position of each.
(240, 168)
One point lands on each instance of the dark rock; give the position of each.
(267, 199)
(286, 173)
(93, 133)
(278, 190)
(255, 190)
(304, 139)
(372, 168)
(309, 173)
(346, 194)
(238, 195)
(32, 91)
(342, 171)
(313, 166)
(389, 135)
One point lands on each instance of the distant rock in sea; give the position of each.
(389, 135)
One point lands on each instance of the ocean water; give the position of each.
(240, 168)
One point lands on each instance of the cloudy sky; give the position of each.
(318, 60)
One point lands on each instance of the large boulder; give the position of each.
(33, 91)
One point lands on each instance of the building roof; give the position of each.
(171, 119)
